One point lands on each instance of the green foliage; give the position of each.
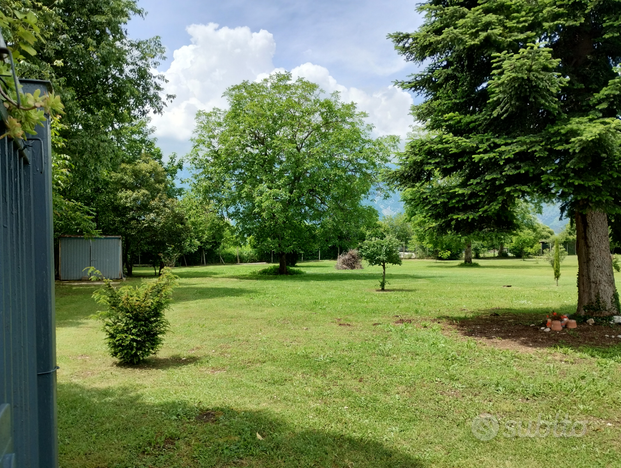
(108, 88)
(20, 26)
(522, 100)
(274, 270)
(287, 163)
(429, 242)
(399, 227)
(138, 206)
(381, 251)
(134, 322)
(556, 264)
(526, 242)
(549, 254)
(208, 228)
(246, 254)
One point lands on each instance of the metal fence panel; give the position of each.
(27, 343)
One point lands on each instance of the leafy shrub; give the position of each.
(134, 321)
(274, 271)
(350, 260)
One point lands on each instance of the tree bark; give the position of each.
(501, 249)
(597, 294)
(468, 252)
(383, 276)
(282, 269)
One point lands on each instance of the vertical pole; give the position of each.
(44, 297)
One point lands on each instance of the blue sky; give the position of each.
(339, 44)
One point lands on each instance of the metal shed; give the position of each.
(77, 253)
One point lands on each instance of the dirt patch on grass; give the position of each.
(209, 417)
(213, 370)
(523, 332)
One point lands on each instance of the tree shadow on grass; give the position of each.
(483, 265)
(117, 427)
(189, 293)
(156, 362)
(521, 330)
(182, 272)
(335, 277)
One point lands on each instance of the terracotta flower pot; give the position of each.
(572, 324)
(556, 325)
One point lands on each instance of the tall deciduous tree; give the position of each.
(523, 98)
(138, 206)
(286, 159)
(106, 82)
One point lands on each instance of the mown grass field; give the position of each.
(316, 370)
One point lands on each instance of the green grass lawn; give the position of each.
(314, 371)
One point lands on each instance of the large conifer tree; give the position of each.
(523, 98)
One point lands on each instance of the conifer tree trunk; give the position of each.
(282, 269)
(596, 281)
(468, 252)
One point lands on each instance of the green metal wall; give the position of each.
(28, 434)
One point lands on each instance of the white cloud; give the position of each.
(200, 72)
(388, 107)
(218, 58)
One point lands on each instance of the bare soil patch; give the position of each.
(523, 332)
(208, 416)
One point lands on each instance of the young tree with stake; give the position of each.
(380, 252)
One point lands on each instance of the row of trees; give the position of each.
(284, 170)
(419, 235)
(522, 102)
(109, 176)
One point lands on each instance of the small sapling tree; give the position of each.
(134, 321)
(555, 258)
(381, 251)
(556, 265)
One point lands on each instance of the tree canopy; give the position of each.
(285, 160)
(522, 99)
